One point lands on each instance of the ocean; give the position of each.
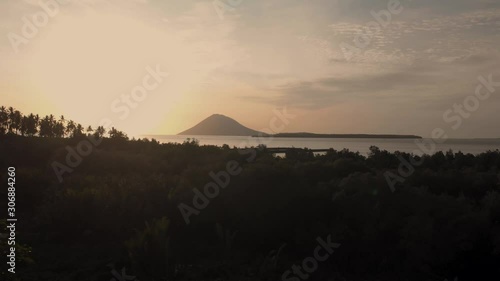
(362, 145)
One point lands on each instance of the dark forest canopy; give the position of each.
(121, 207)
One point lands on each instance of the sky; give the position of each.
(339, 66)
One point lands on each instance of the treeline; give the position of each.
(13, 122)
(119, 209)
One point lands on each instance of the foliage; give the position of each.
(149, 251)
(442, 221)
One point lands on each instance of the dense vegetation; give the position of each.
(120, 209)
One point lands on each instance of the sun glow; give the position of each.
(89, 60)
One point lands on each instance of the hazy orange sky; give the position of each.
(261, 55)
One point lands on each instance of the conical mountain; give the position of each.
(220, 125)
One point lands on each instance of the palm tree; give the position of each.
(78, 131)
(59, 129)
(4, 118)
(99, 132)
(18, 118)
(37, 122)
(48, 126)
(89, 130)
(32, 125)
(70, 127)
(115, 134)
(10, 113)
(24, 125)
(44, 127)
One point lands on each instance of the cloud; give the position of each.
(424, 83)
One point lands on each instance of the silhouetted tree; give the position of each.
(115, 134)
(59, 129)
(89, 130)
(99, 132)
(46, 127)
(32, 124)
(4, 119)
(24, 124)
(70, 127)
(15, 119)
(10, 114)
(78, 131)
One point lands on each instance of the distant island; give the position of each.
(338, 136)
(219, 125)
